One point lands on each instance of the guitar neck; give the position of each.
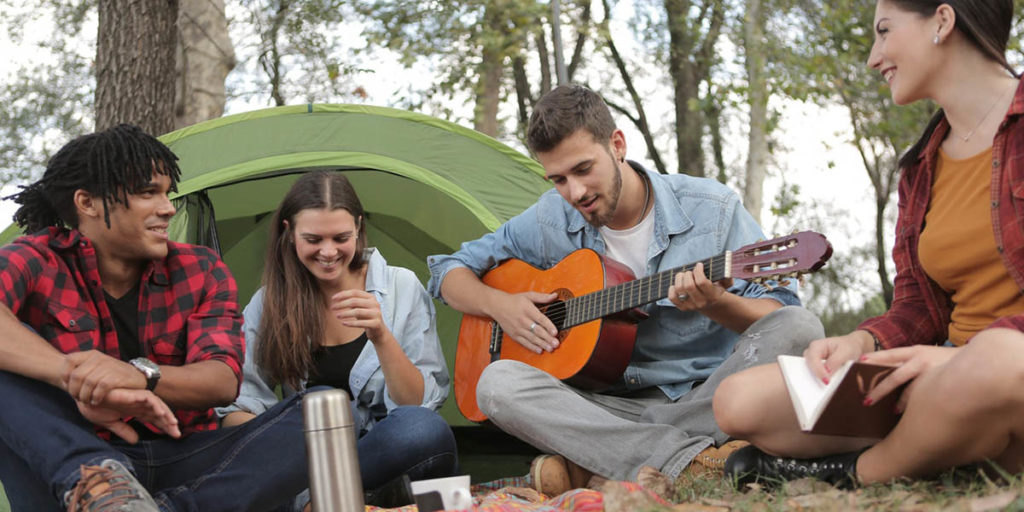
(626, 296)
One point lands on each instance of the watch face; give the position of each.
(146, 366)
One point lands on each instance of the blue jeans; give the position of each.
(410, 440)
(260, 465)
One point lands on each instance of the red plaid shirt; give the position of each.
(188, 304)
(920, 311)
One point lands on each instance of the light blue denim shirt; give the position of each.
(695, 219)
(408, 313)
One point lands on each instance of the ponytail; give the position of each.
(36, 211)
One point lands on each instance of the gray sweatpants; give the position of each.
(614, 436)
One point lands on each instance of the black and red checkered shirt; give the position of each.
(921, 310)
(188, 304)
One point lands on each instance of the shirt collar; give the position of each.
(64, 239)
(376, 272)
(932, 148)
(667, 210)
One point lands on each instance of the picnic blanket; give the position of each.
(516, 495)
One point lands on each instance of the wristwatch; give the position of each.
(149, 369)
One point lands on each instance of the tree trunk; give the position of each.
(135, 49)
(757, 98)
(488, 94)
(880, 256)
(523, 98)
(490, 72)
(545, 61)
(640, 120)
(690, 56)
(205, 56)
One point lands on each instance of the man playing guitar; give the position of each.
(658, 415)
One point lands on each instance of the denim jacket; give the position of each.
(407, 311)
(695, 219)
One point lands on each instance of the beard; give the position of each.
(597, 218)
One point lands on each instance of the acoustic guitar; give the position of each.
(596, 309)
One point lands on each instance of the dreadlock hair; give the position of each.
(293, 305)
(111, 164)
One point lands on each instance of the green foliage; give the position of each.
(456, 39)
(48, 103)
(293, 50)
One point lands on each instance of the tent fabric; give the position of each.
(426, 184)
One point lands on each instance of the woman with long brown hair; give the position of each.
(333, 313)
(954, 330)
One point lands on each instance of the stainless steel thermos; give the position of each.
(334, 482)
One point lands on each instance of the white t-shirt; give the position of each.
(629, 246)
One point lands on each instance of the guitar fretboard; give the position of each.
(631, 294)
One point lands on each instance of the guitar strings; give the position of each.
(601, 299)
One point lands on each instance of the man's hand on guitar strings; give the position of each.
(693, 291)
(518, 313)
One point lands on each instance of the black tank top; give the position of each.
(333, 364)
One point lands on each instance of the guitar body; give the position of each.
(591, 355)
(597, 309)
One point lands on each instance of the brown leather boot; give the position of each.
(712, 459)
(554, 474)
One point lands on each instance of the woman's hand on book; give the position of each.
(824, 356)
(910, 362)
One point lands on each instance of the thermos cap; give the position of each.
(329, 409)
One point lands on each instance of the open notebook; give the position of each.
(838, 408)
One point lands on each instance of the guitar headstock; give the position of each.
(779, 258)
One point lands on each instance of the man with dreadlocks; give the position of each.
(116, 343)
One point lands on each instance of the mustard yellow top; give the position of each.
(958, 247)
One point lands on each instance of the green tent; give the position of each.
(427, 185)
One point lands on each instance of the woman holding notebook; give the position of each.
(954, 328)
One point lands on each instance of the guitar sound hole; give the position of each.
(556, 312)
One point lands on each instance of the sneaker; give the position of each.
(712, 459)
(749, 464)
(109, 487)
(554, 475)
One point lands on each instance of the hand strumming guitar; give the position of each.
(519, 317)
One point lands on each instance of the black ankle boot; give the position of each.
(749, 464)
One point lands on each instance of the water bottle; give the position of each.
(334, 482)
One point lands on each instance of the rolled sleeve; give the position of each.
(416, 330)
(215, 327)
(16, 275)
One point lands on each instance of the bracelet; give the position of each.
(878, 344)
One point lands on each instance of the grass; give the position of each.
(965, 489)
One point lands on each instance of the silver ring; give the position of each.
(532, 327)
(683, 298)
